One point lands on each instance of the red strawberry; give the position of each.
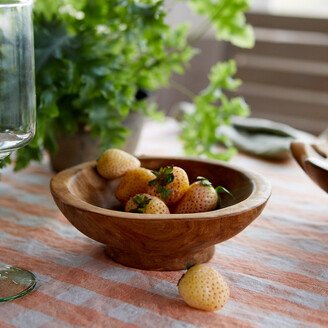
(147, 204)
(133, 182)
(200, 197)
(170, 184)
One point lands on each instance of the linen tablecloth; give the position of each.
(276, 268)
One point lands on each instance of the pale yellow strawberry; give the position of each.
(133, 182)
(113, 163)
(147, 204)
(170, 184)
(201, 196)
(203, 288)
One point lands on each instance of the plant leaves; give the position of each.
(92, 56)
(212, 109)
(228, 19)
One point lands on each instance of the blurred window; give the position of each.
(302, 8)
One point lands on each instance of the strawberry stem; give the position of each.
(164, 176)
(141, 201)
(204, 181)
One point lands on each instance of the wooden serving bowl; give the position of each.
(313, 159)
(161, 241)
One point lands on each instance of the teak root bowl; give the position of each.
(313, 159)
(162, 241)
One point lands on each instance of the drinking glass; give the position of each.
(17, 110)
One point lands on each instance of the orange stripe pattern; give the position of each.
(277, 268)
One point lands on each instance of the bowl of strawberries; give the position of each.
(159, 213)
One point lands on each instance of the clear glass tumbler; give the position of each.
(17, 110)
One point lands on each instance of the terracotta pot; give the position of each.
(80, 148)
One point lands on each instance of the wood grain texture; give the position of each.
(314, 164)
(159, 242)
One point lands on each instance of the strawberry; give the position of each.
(113, 163)
(133, 182)
(203, 288)
(147, 204)
(170, 184)
(201, 196)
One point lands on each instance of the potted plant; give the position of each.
(96, 58)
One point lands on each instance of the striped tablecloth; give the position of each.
(276, 268)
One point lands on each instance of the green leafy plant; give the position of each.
(94, 56)
(212, 108)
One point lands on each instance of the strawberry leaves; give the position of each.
(219, 189)
(204, 182)
(142, 202)
(164, 176)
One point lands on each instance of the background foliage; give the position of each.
(93, 56)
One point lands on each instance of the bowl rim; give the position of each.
(311, 161)
(59, 186)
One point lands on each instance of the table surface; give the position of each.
(276, 268)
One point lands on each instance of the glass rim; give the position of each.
(15, 3)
